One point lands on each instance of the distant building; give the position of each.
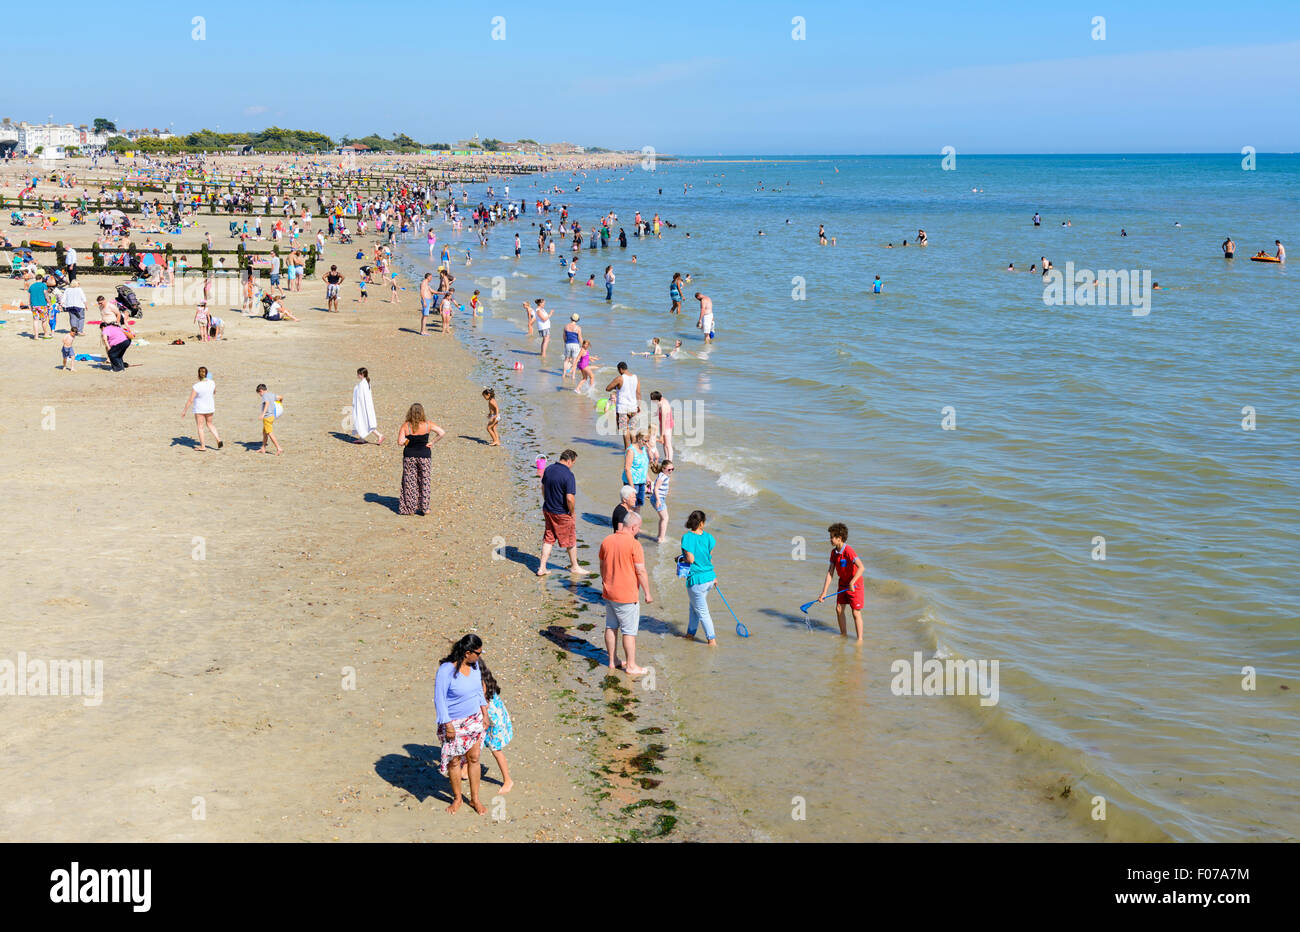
(136, 134)
(564, 148)
(51, 138)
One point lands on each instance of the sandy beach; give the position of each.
(269, 626)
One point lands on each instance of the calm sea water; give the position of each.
(1123, 677)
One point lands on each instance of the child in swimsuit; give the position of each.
(201, 320)
(661, 424)
(66, 351)
(584, 366)
(494, 416)
(656, 350)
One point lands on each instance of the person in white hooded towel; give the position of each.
(364, 422)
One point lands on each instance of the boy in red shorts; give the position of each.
(847, 567)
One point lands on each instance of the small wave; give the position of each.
(735, 482)
(731, 476)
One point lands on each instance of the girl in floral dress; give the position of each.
(500, 730)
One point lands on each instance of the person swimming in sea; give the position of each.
(657, 351)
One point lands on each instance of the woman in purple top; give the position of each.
(462, 717)
(116, 343)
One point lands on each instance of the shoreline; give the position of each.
(643, 780)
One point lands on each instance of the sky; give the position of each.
(689, 78)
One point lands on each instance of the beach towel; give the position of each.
(363, 410)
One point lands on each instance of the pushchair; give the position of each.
(16, 219)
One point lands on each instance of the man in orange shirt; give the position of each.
(622, 570)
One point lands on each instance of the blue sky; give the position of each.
(691, 78)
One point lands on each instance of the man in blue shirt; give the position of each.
(559, 510)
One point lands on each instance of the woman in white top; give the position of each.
(543, 324)
(202, 397)
(364, 421)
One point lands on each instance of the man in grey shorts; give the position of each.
(622, 571)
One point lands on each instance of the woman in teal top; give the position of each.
(636, 464)
(697, 551)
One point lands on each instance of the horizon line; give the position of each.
(939, 154)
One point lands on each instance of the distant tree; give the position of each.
(526, 142)
(39, 149)
(400, 143)
(275, 139)
(441, 146)
(104, 126)
(493, 145)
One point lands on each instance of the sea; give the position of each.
(1099, 502)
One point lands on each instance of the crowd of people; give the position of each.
(470, 713)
